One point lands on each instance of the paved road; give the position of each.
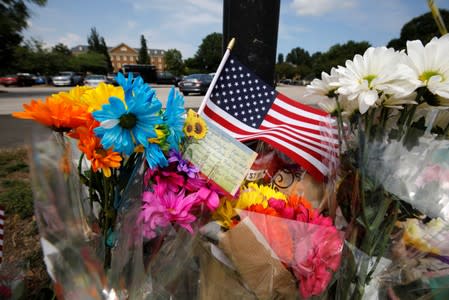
(14, 132)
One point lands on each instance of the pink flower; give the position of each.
(210, 194)
(178, 207)
(316, 257)
(161, 180)
(282, 208)
(153, 214)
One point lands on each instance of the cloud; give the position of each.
(320, 7)
(131, 24)
(71, 39)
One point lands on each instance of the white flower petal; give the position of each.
(108, 124)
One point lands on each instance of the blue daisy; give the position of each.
(126, 125)
(155, 157)
(173, 117)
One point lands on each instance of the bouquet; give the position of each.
(88, 178)
(391, 109)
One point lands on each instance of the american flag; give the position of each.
(248, 108)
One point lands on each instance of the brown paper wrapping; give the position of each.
(257, 266)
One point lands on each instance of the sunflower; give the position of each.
(59, 115)
(195, 126)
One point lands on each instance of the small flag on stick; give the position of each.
(248, 108)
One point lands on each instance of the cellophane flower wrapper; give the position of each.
(419, 261)
(71, 240)
(295, 260)
(417, 174)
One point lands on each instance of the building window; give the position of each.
(160, 59)
(125, 58)
(121, 58)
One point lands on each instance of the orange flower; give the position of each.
(295, 201)
(59, 115)
(99, 157)
(258, 208)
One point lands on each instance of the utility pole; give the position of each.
(254, 24)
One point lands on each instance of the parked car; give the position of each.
(195, 83)
(67, 78)
(111, 78)
(94, 80)
(39, 79)
(165, 78)
(19, 79)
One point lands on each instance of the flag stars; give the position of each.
(234, 76)
(248, 75)
(241, 75)
(240, 68)
(241, 105)
(254, 124)
(236, 113)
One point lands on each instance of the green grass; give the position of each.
(15, 188)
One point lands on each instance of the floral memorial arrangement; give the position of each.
(139, 200)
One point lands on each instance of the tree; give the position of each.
(298, 56)
(286, 70)
(143, 51)
(61, 48)
(13, 19)
(173, 61)
(209, 53)
(421, 28)
(336, 55)
(93, 40)
(97, 44)
(280, 58)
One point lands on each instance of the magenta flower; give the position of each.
(153, 215)
(161, 180)
(316, 257)
(178, 207)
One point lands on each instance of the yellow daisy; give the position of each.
(95, 98)
(74, 95)
(257, 194)
(224, 213)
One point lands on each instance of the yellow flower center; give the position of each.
(370, 79)
(425, 76)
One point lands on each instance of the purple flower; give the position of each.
(183, 165)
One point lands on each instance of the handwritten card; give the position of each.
(221, 158)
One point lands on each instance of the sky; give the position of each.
(314, 25)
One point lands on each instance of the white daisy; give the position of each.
(326, 86)
(430, 64)
(379, 71)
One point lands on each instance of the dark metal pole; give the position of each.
(254, 24)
